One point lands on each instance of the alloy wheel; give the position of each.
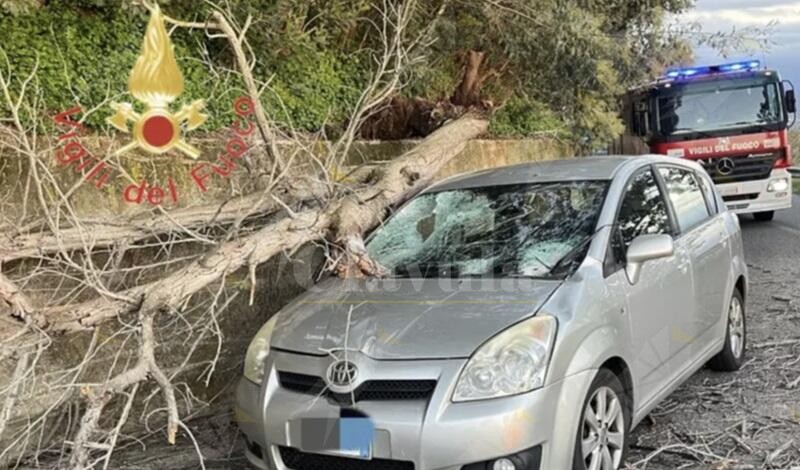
(736, 327)
(603, 431)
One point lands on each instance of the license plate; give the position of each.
(346, 436)
(731, 190)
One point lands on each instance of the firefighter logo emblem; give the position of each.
(156, 81)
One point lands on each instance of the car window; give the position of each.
(643, 210)
(686, 196)
(708, 192)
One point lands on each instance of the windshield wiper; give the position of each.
(432, 270)
(547, 277)
(762, 125)
(683, 131)
(573, 252)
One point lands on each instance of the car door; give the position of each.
(658, 302)
(703, 233)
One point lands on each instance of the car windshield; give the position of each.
(692, 108)
(531, 230)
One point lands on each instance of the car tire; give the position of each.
(765, 216)
(732, 355)
(603, 438)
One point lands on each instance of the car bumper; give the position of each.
(433, 434)
(752, 196)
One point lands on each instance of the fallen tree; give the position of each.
(116, 307)
(342, 223)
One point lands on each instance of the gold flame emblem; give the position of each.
(156, 81)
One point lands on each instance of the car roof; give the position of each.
(570, 169)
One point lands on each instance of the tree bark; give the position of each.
(106, 232)
(11, 297)
(468, 92)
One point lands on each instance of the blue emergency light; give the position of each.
(709, 69)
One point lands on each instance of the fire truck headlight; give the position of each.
(778, 185)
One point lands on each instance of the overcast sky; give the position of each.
(722, 15)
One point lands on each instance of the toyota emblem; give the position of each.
(342, 374)
(725, 166)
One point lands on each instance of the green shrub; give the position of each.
(85, 52)
(521, 117)
(559, 69)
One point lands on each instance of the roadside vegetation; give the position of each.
(544, 67)
(794, 140)
(142, 290)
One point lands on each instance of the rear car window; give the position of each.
(708, 191)
(686, 196)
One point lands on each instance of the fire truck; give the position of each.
(732, 118)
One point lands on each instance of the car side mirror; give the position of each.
(646, 248)
(791, 101)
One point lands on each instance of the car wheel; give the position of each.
(602, 439)
(732, 355)
(765, 216)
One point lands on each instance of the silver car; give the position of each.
(529, 318)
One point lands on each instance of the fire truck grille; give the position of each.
(740, 168)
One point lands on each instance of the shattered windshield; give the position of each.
(532, 230)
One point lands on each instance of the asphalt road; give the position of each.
(742, 421)
(774, 243)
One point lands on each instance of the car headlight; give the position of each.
(778, 185)
(258, 351)
(513, 362)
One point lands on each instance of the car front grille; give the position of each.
(301, 383)
(298, 460)
(745, 168)
(371, 390)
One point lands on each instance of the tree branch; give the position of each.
(10, 295)
(348, 220)
(106, 232)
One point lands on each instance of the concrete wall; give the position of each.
(158, 170)
(278, 281)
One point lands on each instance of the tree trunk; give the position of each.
(468, 92)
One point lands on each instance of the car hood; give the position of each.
(406, 318)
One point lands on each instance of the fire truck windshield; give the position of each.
(703, 107)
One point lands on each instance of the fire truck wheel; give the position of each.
(765, 216)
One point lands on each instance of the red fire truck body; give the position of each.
(731, 118)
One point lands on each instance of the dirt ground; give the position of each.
(745, 420)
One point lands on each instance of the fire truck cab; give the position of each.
(731, 118)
